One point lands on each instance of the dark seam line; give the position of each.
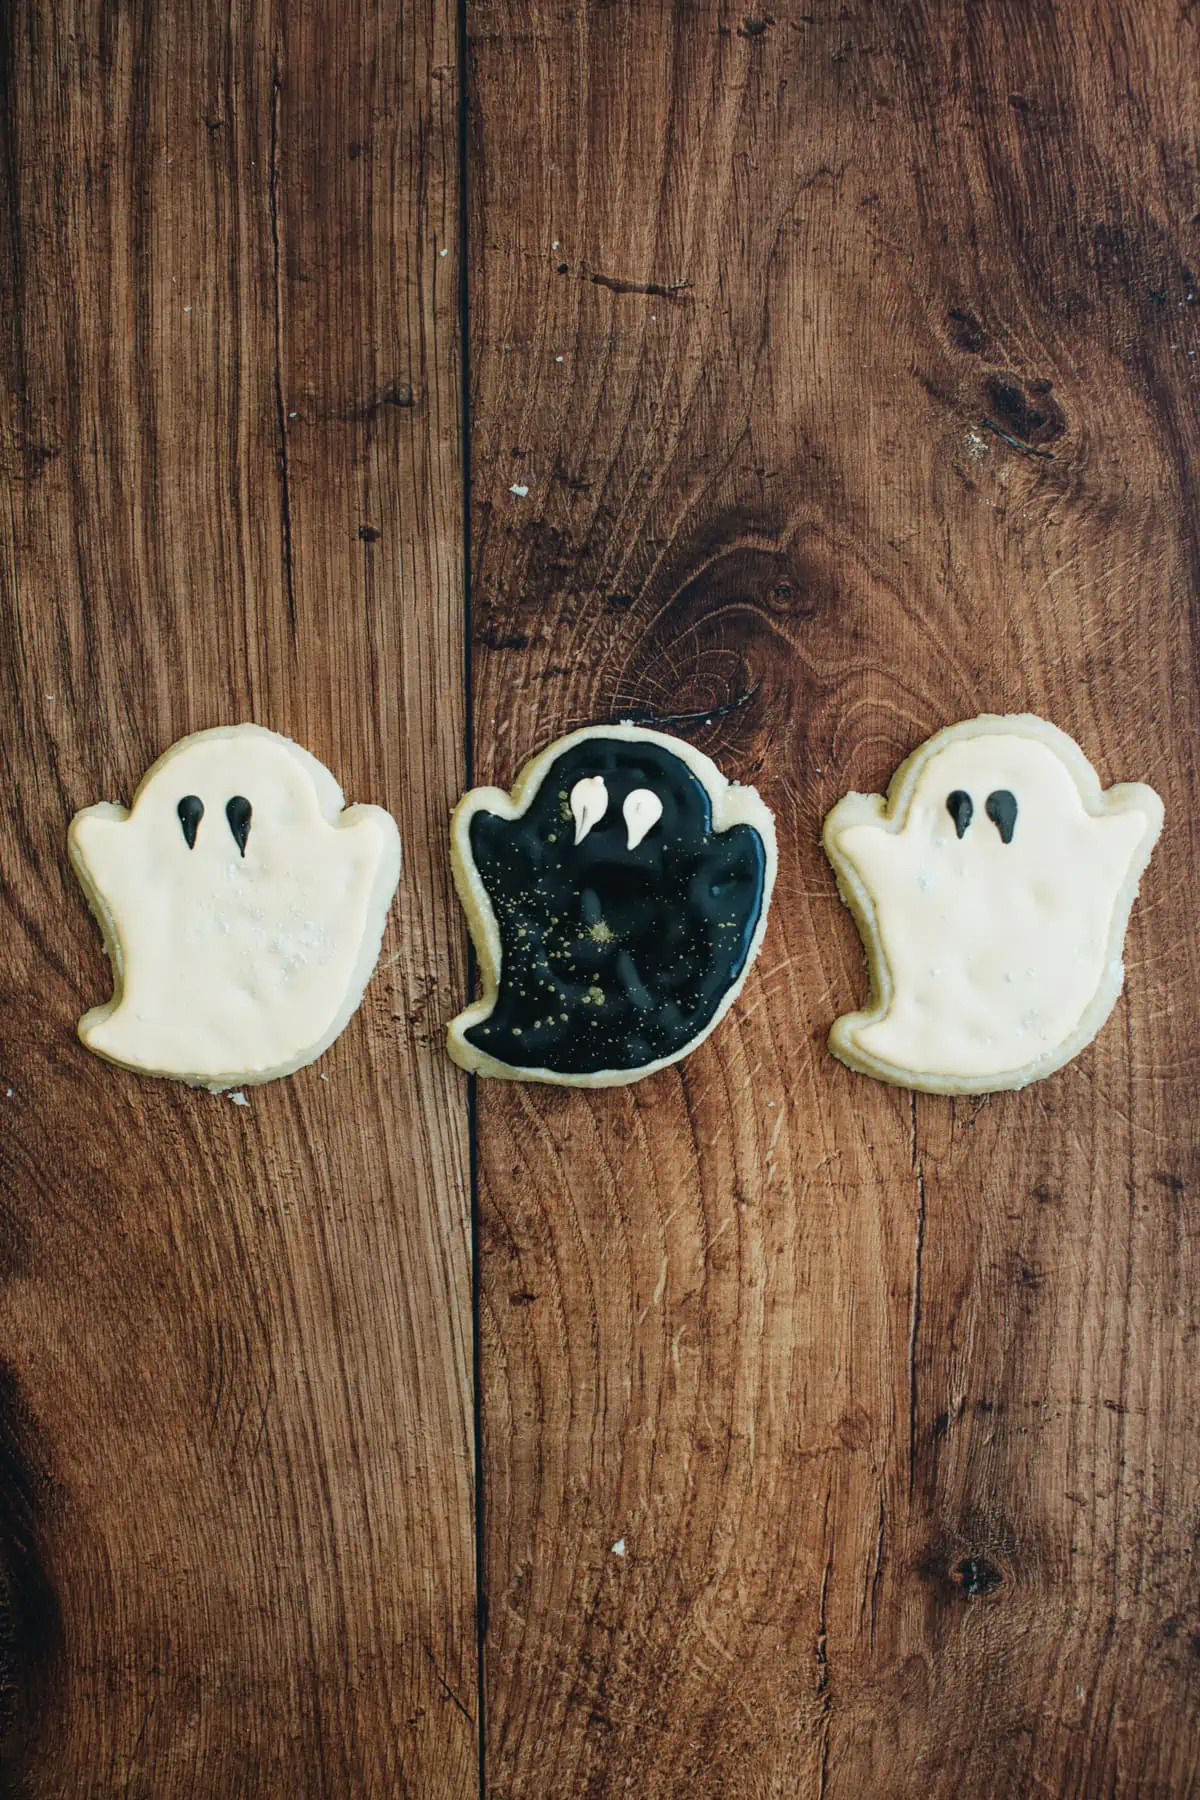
(481, 1609)
(469, 766)
(285, 487)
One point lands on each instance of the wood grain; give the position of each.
(235, 1407)
(837, 1443)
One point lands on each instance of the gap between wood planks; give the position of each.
(464, 352)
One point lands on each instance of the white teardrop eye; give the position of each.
(642, 810)
(589, 803)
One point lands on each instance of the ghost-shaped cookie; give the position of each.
(992, 889)
(242, 909)
(616, 898)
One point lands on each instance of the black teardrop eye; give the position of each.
(238, 811)
(191, 811)
(961, 809)
(1001, 809)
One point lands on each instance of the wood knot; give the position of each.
(955, 1573)
(1030, 414)
(966, 332)
(977, 1577)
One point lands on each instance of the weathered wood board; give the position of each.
(237, 1340)
(850, 357)
(832, 1442)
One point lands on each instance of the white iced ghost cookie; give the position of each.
(242, 909)
(992, 889)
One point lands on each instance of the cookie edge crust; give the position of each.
(732, 804)
(332, 805)
(892, 813)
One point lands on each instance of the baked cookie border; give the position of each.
(891, 811)
(732, 804)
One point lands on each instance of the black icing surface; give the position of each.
(1001, 809)
(614, 958)
(961, 809)
(190, 811)
(238, 811)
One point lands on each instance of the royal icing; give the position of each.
(993, 889)
(242, 909)
(641, 811)
(617, 898)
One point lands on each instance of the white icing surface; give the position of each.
(994, 952)
(642, 811)
(227, 967)
(589, 803)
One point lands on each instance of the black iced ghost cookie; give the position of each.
(616, 898)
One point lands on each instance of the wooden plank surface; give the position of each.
(879, 343)
(239, 1555)
(837, 1443)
